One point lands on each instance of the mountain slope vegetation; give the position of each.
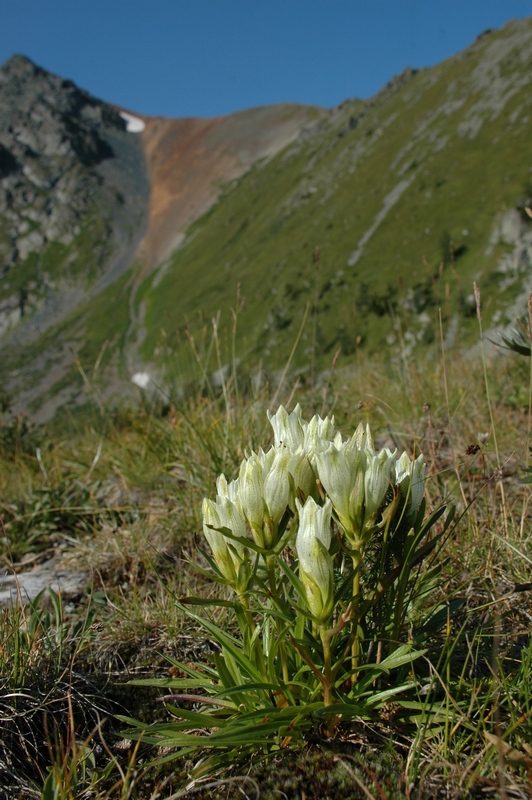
(371, 222)
(409, 198)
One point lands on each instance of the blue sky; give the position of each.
(209, 57)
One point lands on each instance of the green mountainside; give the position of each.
(405, 196)
(378, 215)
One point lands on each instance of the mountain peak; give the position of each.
(19, 67)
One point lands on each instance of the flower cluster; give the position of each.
(310, 479)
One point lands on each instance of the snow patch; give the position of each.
(141, 379)
(133, 124)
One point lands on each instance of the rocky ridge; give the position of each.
(90, 192)
(69, 172)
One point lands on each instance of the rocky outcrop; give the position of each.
(87, 188)
(89, 191)
(514, 268)
(73, 187)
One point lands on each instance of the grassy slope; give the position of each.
(124, 498)
(327, 191)
(91, 337)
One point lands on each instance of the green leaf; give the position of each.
(50, 789)
(383, 697)
(439, 618)
(248, 687)
(403, 655)
(171, 683)
(517, 343)
(373, 671)
(177, 739)
(233, 665)
(142, 726)
(215, 575)
(226, 677)
(292, 577)
(280, 611)
(187, 669)
(228, 643)
(199, 719)
(206, 601)
(249, 543)
(58, 606)
(345, 588)
(287, 535)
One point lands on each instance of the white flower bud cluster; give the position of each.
(356, 481)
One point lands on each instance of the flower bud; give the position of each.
(250, 496)
(376, 482)
(410, 476)
(276, 494)
(341, 472)
(315, 564)
(228, 555)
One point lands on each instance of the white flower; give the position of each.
(356, 478)
(288, 429)
(363, 439)
(228, 554)
(304, 440)
(277, 490)
(410, 476)
(376, 482)
(341, 472)
(318, 436)
(304, 476)
(263, 493)
(224, 489)
(417, 486)
(250, 498)
(293, 432)
(315, 564)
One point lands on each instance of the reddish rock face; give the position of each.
(188, 161)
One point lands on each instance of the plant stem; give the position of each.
(327, 682)
(490, 409)
(398, 614)
(242, 599)
(355, 647)
(270, 564)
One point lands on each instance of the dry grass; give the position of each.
(143, 476)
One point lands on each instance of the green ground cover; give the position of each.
(119, 497)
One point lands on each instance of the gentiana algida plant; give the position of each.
(320, 541)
